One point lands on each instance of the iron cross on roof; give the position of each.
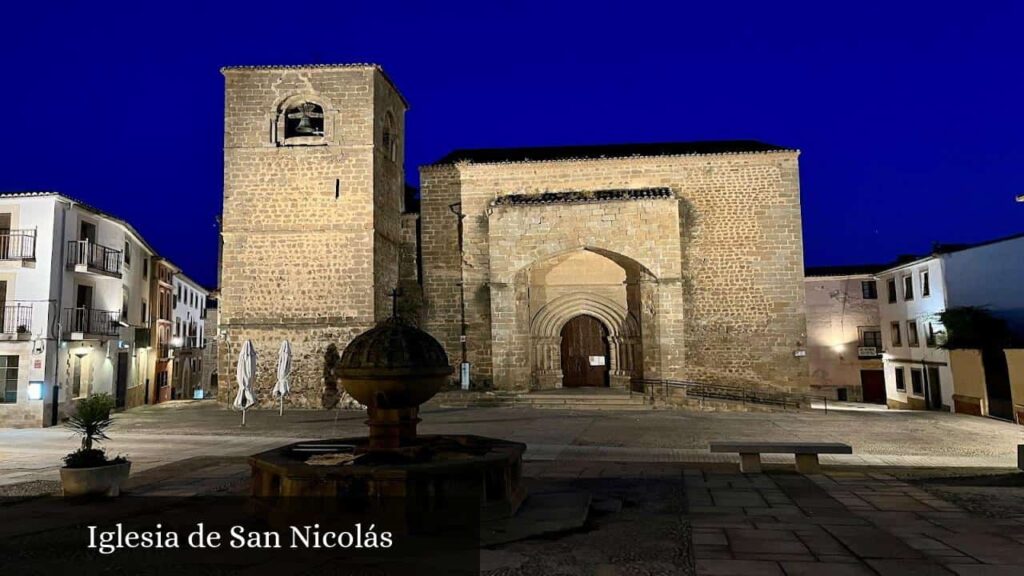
(395, 293)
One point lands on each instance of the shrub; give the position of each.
(974, 327)
(90, 458)
(91, 420)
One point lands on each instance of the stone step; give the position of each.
(579, 400)
(563, 401)
(595, 407)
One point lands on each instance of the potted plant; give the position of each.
(88, 471)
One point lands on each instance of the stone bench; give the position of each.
(806, 453)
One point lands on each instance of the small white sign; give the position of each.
(597, 360)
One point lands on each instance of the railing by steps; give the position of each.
(702, 390)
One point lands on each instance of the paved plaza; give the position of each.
(663, 504)
(157, 435)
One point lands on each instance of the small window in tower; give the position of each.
(389, 139)
(304, 119)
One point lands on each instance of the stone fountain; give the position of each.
(416, 481)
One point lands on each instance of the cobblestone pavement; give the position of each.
(156, 435)
(841, 524)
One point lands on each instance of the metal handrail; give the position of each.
(16, 319)
(18, 245)
(726, 392)
(92, 255)
(89, 321)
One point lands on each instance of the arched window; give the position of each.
(304, 119)
(389, 139)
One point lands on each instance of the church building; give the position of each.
(541, 267)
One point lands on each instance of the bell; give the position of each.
(304, 127)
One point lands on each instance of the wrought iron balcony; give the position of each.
(92, 322)
(16, 319)
(87, 256)
(18, 245)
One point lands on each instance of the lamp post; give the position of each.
(456, 209)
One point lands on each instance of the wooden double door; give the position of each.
(585, 356)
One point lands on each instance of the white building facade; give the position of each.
(918, 374)
(74, 283)
(188, 337)
(917, 371)
(844, 343)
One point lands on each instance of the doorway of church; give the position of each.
(584, 352)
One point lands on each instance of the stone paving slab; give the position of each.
(844, 523)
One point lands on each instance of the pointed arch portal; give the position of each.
(584, 327)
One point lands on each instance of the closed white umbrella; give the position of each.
(284, 368)
(244, 374)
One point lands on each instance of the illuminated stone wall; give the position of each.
(720, 294)
(311, 226)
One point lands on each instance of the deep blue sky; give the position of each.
(909, 118)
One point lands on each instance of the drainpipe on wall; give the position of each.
(55, 407)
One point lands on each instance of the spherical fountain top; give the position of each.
(394, 347)
(392, 369)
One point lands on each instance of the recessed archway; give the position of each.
(599, 287)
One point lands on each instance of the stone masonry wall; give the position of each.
(739, 292)
(389, 186)
(304, 257)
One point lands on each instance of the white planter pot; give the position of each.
(102, 480)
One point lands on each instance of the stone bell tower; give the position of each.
(313, 188)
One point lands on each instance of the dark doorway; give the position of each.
(934, 388)
(122, 380)
(997, 384)
(87, 232)
(584, 353)
(872, 383)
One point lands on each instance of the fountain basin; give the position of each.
(435, 479)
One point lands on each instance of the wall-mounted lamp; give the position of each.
(35, 390)
(81, 352)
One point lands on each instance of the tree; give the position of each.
(974, 327)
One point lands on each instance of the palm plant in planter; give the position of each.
(88, 470)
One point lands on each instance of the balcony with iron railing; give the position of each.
(17, 245)
(16, 320)
(86, 256)
(79, 323)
